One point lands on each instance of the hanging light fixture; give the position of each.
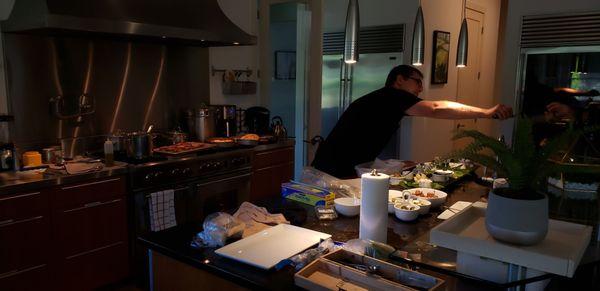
(463, 40)
(351, 33)
(418, 41)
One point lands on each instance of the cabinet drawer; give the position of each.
(89, 227)
(21, 206)
(75, 195)
(24, 243)
(94, 269)
(274, 157)
(34, 278)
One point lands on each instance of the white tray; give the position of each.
(559, 253)
(267, 248)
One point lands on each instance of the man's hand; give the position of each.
(499, 111)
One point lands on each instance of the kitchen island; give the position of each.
(172, 248)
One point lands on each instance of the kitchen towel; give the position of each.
(257, 218)
(162, 210)
(373, 207)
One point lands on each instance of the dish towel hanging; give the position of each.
(162, 210)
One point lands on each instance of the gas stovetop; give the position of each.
(156, 171)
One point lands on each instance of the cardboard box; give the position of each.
(307, 194)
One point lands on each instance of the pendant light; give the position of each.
(351, 33)
(463, 40)
(418, 41)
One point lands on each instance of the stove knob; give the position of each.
(158, 174)
(148, 177)
(175, 172)
(186, 171)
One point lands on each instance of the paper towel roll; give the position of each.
(373, 207)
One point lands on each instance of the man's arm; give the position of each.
(455, 110)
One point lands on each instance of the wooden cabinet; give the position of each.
(71, 237)
(90, 226)
(25, 238)
(270, 168)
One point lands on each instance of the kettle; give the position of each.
(279, 130)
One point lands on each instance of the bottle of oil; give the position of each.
(108, 153)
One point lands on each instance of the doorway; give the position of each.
(468, 77)
(289, 24)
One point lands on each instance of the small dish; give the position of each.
(406, 211)
(392, 196)
(441, 175)
(436, 198)
(347, 206)
(424, 205)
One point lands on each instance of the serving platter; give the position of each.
(183, 148)
(267, 248)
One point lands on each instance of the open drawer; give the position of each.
(338, 271)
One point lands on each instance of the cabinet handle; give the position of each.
(91, 183)
(94, 250)
(92, 204)
(21, 196)
(223, 180)
(12, 221)
(8, 221)
(9, 273)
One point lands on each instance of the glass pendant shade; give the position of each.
(418, 41)
(351, 33)
(463, 45)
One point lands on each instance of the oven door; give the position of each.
(219, 193)
(142, 203)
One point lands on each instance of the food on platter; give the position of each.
(250, 136)
(425, 195)
(182, 147)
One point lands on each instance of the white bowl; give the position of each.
(406, 215)
(424, 205)
(347, 206)
(393, 194)
(441, 175)
(439, 199)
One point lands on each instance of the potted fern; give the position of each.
(519, 213)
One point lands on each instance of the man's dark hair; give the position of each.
(404, 70)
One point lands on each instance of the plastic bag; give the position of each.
(304, 258)
(321, 179)
(217, 228)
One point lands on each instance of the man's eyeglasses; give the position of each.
(419, 81)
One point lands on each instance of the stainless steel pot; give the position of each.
(204, 124)
(118, 141)
(139, 145)
(175, 136)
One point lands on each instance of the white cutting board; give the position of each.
(267, 248)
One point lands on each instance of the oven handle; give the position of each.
(174, 190)
(225, 179)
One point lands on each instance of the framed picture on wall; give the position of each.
(441, 53)
(285, 65)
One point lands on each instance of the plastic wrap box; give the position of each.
(307, 194)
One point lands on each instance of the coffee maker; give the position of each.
(225, 120)
(257, 120)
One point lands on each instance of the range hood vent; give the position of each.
(199, 23)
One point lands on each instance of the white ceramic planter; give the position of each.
(517, 221)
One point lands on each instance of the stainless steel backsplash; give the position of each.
(133, 85)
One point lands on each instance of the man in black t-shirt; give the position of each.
(366, 126)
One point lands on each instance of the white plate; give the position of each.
(267, 248)
(435, 202)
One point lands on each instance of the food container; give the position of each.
(345, 270)
(441, 175)
(393, 197)
(424, 205)
(307, 194)
(32, 159)
(436, 198)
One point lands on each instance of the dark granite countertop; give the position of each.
(175, 242)
(14, 182)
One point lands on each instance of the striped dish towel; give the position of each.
(162, 210)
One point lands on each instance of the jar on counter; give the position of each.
(32, 159)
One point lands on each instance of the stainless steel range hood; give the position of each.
(191, 22)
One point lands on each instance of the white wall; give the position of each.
(243, 14)
(508, 60)
(424, 138)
